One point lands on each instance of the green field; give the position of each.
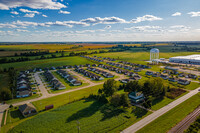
(47, 63)
(66, 98)
(140, 57)
(171, 118)
(91, 116)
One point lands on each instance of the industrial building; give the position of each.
(190, 59)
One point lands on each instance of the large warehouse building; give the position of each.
(190, 59)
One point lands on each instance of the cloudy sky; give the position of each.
(99, 20)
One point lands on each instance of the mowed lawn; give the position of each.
(66, 98)
(88, 116)
(140, 57)
(171, 118)
(47, 63)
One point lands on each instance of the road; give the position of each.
(142, 123)
(41, 86)
(185, 123)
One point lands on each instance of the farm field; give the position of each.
(171, 118)
(54, 47)
(47, 63)
(140, 57)
(89, 115)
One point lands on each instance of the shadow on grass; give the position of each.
(109, 112)
(16, 114)
(86, 112)
(156, 101)
(138, 112)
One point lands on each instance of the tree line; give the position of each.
(52, 55)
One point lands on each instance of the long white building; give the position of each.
(190, 59)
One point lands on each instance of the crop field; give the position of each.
(171, 118)
(54, 47)
(85, 115)
(47, 63)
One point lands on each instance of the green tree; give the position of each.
(109, 87)
(5, 94)
(124, 100)
(132, 86)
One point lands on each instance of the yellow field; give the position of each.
(54, 47)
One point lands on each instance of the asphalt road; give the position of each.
(142, 123)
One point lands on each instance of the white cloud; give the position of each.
(31, 15)
(194, 14)
(145, 18)
(108, 27)
(44, 15)
(146, 28)
(106, 20)
(7, 25)
(86, 31)
(176, 14)
(64, 12)
(20, 30)
(181, 28)
(35, 4)
(28, 11)
(14, 12)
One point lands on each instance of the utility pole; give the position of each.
(78, 126)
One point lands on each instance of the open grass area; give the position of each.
(22, 99)
(13, 115)
(140, 57)
(66, 98)
(171, 118)
(87, 115)
(3, 118)
(47, 63)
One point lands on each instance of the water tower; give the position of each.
(154, 55)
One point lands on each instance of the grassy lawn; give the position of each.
(159, 103)
(66, 83)
(89, 115)
(192, 86)
(47, 63)
(66, 98)
(22, 99)
(172, 117)
(14, 115)
(3, 118)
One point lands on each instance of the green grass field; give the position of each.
(90, 116)
(47, 63)
(22, 99)
(66, 98)
(171, 118)
(140, 57)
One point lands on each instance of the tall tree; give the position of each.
(109, 87)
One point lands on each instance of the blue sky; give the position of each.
(99, 20)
